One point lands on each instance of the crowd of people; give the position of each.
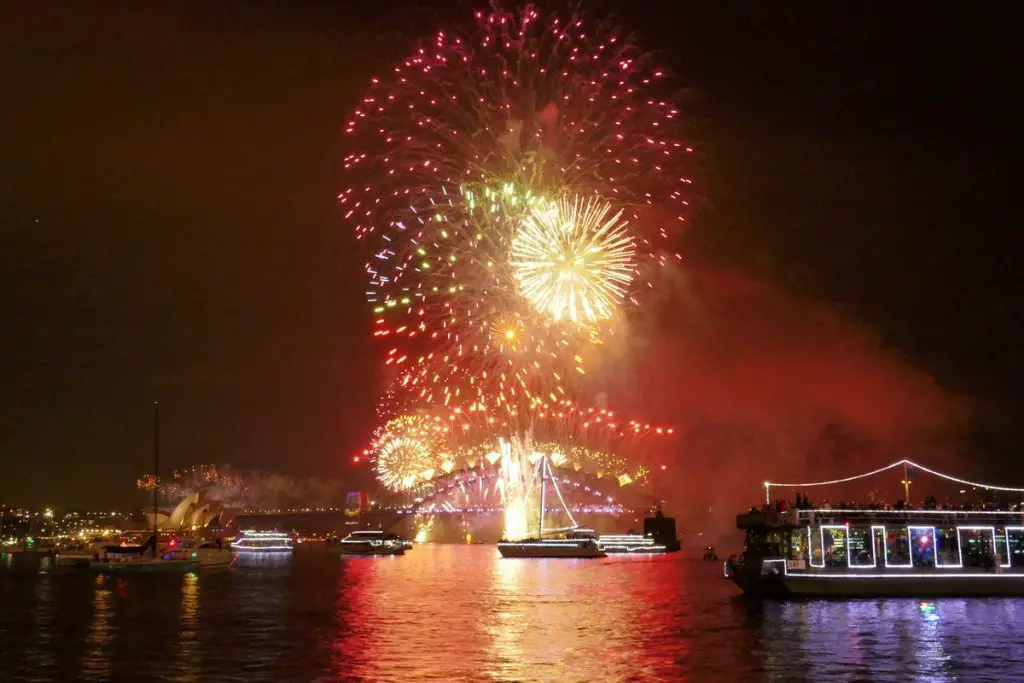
(803, 502)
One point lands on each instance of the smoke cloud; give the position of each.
(762, 385)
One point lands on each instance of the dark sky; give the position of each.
(168, 228)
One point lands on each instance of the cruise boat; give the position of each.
(263, 542)
(371, 542)
(864, 553)
(570, 542)
(659, 537)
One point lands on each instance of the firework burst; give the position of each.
(408, 449)
(572, 262)
(459, 154)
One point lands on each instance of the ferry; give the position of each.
(879, 553)
(372, 542)
(263, 542)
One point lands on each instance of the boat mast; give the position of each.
(156, 473)
(543, 485)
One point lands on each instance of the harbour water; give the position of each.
(461, 613)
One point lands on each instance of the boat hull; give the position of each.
(145, 567)
(878, 585)
(355, 551)
(953, 585)
(552, 550)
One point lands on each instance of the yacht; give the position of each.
(263, 542)
(371, 542)
(577, 543)
(206, 553)
(136, 559)
(571, 542)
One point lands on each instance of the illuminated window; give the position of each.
(835, 548)
(978, 546)
(922, 546)
(798, 545)
(1016, 546)
(897, 547)
(861, 547)
(947, 547)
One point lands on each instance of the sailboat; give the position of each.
(566, 542)
(132, 559)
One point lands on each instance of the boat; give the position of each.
(263, 542)
(79, 554)
(206, 553)
(820, 551)
(629, 544)
(577, 543)
(659, 537)
(131, 559)
(571, 542)
(371, 542)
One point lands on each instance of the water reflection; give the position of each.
(95, 662)
(461, 613)
(189, 653)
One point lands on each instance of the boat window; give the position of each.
(947, 547)
(977, 544)
(1016, 547)
(835, 549)
(861, 550)
(798, 545)
(1002, 547)
(817, 558)
(922, 546)
(897, 547)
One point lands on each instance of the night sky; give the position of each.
(168, 229)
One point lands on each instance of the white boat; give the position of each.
(263, 542)
(570, 542)
(371, 542)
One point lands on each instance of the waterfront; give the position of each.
(452, 613)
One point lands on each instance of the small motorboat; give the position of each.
(372, 542)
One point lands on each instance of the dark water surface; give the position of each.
(461, 613)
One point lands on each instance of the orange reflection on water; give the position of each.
(96, 662)
(464, 613)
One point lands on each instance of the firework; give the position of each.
(408, 450)
(413, 449)
(457, 158)
(572, 262)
